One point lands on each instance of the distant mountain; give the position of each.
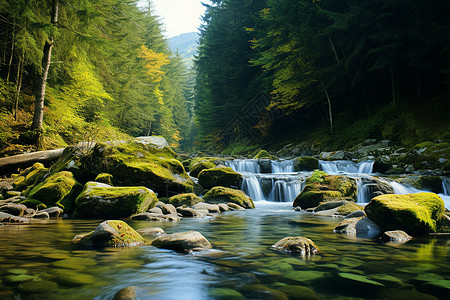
(186, 45)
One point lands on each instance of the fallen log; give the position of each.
(10, 164)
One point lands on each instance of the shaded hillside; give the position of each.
(185, 44)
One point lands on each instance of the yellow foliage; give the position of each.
(155, 61)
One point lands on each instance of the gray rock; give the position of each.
(42, 215)
(53, 212)
(299, 245)
(169, 209)
(223, 207)
(358, 227)
(212, 208)
(395, 236)
(188, 212)
(234, 206)
(160, 204)
(155, 217)
(356, 214)
(155, 210)
(8, 218)
(29, 213)
(182, 242)
(128, 293)
(150, 231)
(329, 205)
(14, 209)
(265, 165)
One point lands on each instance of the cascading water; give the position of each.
(446, 186)
(345, 166)
(282, 185)
(363, 192)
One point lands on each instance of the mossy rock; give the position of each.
(306, 163)
(57, 189)
(220, 194)
(189, 199)
(30, 176)
(104, 178)
(321, 187)
(221, 176)
(264, 154)
(200, 166)
(35, 204)
(415, 214)
(427, 155)
(111, 233)
(348, 208)
(98, 200)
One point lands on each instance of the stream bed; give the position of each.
(241, 264)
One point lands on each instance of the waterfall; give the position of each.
(252, 187)
(284, 166)
(401, 189)
(244, 165)
(344, 166)
(446, 186)
(363, 191)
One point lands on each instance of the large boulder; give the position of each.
(263, 154)
(358, 227)
(111, 233)
(296, 245)
(58, 189)
(415, 214)
(201, 163)
(427, 155)
(321, 187)
(182, 242)
(146, 161)
(99, 200)
(220, 194)
(306, 163)
(29, 176)
(220, 176)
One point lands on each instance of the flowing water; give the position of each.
(241, 262)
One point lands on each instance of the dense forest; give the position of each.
(327, 71)
(102, 70)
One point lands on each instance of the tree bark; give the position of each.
(46, 60)
(19, 84)
(330, 112)
(10, 164)
(12, 53)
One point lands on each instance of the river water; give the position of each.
(241, 264)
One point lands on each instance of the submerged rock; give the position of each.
(98, 200)
(321, 187)
(128, 293)
(415, 214)
(296, 245)
(220, 176)
(358, 227)
(182, 242)
(395, 236)
(53, 212)
(150, 231)
(111, 233)
(220, 194)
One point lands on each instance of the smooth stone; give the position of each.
(150, 231)
(74, 263)
(356, 214)
(18, 271)
(8, 218)
(212, 208)
(403, 294)
(350, 262)
(156, 210)
(188, 212)
(128, 293)
(42, 215)
(225, 293)
(298, 292)
(169, 209)
(73, 278)
(53, 212)
(19, 278)
(395, 236)
(155, 217)
(42, 286)
(14, 209)
(303, 276)
(182, 242)
(299, 245)
(387, 279)
(360, 279)
(259, 291)
(234, 206)
(223, 207)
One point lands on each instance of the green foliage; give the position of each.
(242, 147)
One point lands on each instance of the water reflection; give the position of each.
(240, 266)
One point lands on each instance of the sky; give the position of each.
(178, 16)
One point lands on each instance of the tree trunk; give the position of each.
(393, 86)
(40, 97)
(330, 112)
(19, 84)
(12, 53)
(334, 51)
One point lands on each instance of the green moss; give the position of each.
(53, 189)
(413, 213)
(263, 154)
(200, 166)
(31, 203)
(220, 194)
(349, 208)
(306, 163)
(221, 176)
(30, 176)
(104, 178)
(317, 177)
(100, 201)
(189, 199)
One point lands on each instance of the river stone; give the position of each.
(156, 210)
(53, 212)
(298, 245)
(223, 207)
(103, 201)
(73, 278)
(128, 293)
(220, 194)
(188, 199)
(234, 206)
(29, 213)
(212, 208)
(169, 209)
(396, 236)
(41, 286)
(265, 165)
(321, 187)
(298, 292)
(415, 214)
(11, 194)
(150, 231)
(111, 233)
(259, 291)
(197, 167)
(306, 163)
(8, 218)
(219, 176)
(358, 227)
(188, 212)
(155, 217)
(225, 294)
(359, 279)
(356, 214)
(182, 242)
(304, 276)
(14, 209)
(42, 215)
(104, 178)
(329, 205)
